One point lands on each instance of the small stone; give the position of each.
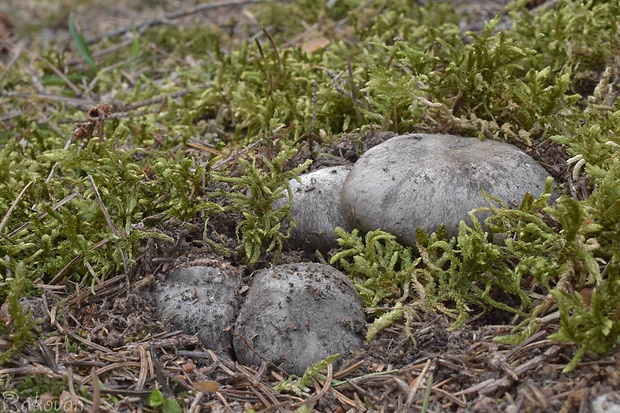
(316, 209)
(424, 181)
(202, 299)
(296, 315)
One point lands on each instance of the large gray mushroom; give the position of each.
(296, 315)
(424, 181)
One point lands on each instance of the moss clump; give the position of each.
(262, 183)
(37, 385)
(20, 323)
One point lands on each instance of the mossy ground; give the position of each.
(212, 111)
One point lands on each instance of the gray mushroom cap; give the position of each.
(296, 315)
(201, 299)
(424, 181)
(316, 209)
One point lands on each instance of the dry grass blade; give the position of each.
(31, 371)
(348, 370)
(427, 393)
(413, 389)
(491, 385)
(115, 230)
(204, 7)
(455, 400)
(124, 110)
(64, 78)
(96, 391)
(176, 342)
(195, 406)
(358, 115)
(41, 95)
(89, 343)
(145, 367)
(118, 365)
(262, 392)
(236, 154)
(16, 52)
(7, 216)
(49, 358)
(75, 260)
(108, 286)
(224, 402)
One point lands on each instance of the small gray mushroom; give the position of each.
(316, 209)
(202, 299)
(424, 181)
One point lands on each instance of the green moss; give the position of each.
(262, 183)
(21, 323)
(37, 385)
(381, 267)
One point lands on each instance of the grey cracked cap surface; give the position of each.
(296, 315)
(424, 181)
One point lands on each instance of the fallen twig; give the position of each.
(176, 15)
